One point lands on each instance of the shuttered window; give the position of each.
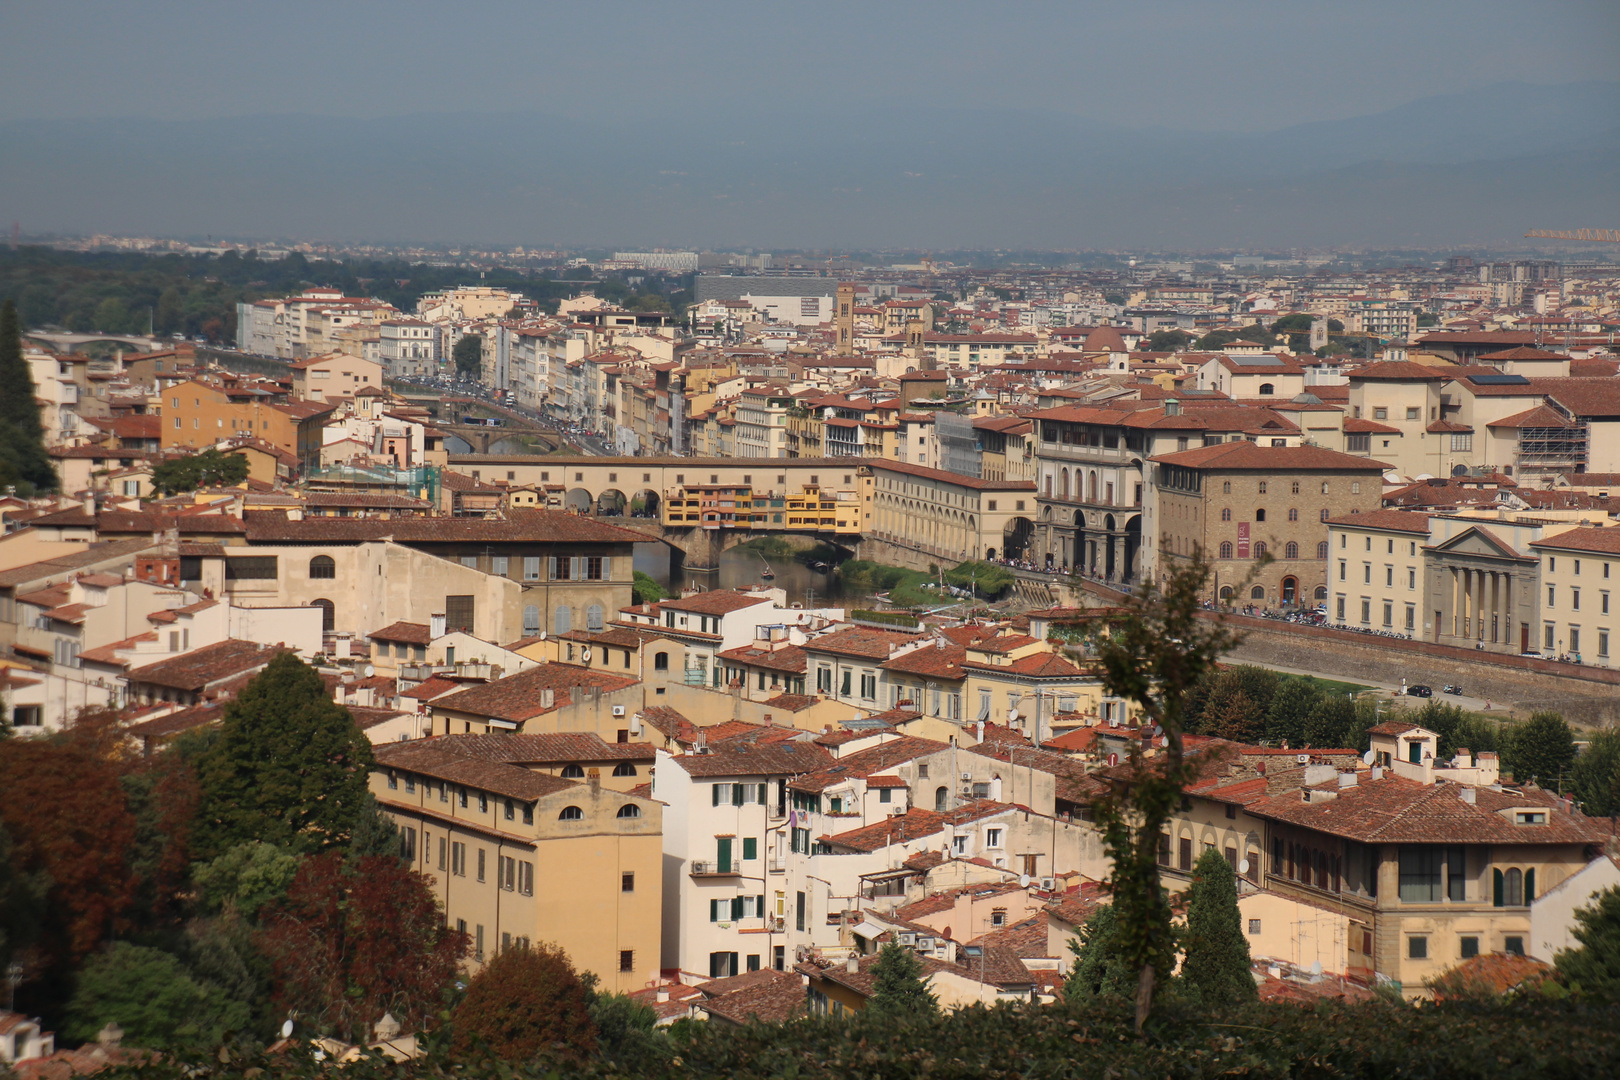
(458, 613)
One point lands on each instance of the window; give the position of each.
(531, 568)
(624, 768)
(571, 813)
(562, 620)
(1262, 487)
(526, 878)
(458, 614)
(251, 568)
(629, 810)
(627, 960)
(499, 565)
(1420, 874)
(1184, 857)
(458, 859)
(531, 620)
(1291, 549)
(593, 617)
(1322, 549)
(1259, 549)
(1254, 926)
(1226, 549)
(1513, 945)
(1468, 947)
(1226, 513)
(573, 772)
(1417, 947)
(322, 566)
(627, 881)
(1226, 487)
(510, 810)
(1294, 487)
(1293, 514)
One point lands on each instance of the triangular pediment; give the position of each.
(1480, 542)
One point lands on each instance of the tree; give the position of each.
(644, 590)
(1166, 341)
(1297, 323)
(22, 434)
(526, 1001)
(1543, 749)
(161, 792)
(150, 995)
(69, 822)
(1290, 706)
(22, 903)
(1217, 954)
(1099, 965)
(355, 939)
(1229, 714)
(210, 468)
(1329, 723)
(898, 989)
(1162, 649)
(468, 355)
(169, 314)
(289, 768)
(1595, 775)
(1593, 969)
(625, 1028)
(247, 877)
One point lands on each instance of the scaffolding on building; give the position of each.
(1562, 448)
(420, 482)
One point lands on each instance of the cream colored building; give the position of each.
(1580, 577)
(515, 855)
(334, 375)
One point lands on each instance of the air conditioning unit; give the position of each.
(967, 776)
(618, 710)
(1048, 883)
(1302, 759)
(700, 867)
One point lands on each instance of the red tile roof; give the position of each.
(1247, 456)
(518, 697)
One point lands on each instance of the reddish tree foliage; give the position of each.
(355, 939)
(67, 816)
(526, 1001)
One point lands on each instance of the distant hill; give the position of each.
(1472, 168)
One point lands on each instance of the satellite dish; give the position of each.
(1367, 758)
(1243, 866)
(286, 1029)
(370, 669)
(1023, 881)
(1157, 731)
(1012, 714)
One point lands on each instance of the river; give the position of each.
(742, 566)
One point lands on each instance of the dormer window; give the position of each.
(1530, 817)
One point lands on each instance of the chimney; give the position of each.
(1467, 795)
(1347, 779)
(663, 993)
(769, 721)
(852, 965)
(548, 697)
(436, 625)
(1376, 773)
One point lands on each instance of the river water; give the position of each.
(743, 566)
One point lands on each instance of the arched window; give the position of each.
(1260, 514)
(1259, 549)
(573, 772)
(629, 810)
(1321, 592)
(941, 800)
(661, 661)
(1296, 487)
(1262, 487)
(1324, 487)
(1293, 513)
(563, 618)
(1226, 592)
(1226, 487)
(322, 566)
(1257, 593)
(624, 768)
(1291, 550)
(1226, 513)
(593, 617)
(571, 813)
(328, 614)
(531, 620)
(1267, 389)
(1226, 549)
(1290, 590)
(1513, 888)
(1065, 487)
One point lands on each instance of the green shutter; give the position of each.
(1529, 887)
(759, 905)
(714, 914)
(723, 854)
(714, 791)
(737, 794)
(762, 794)
(1496, 876)
(750, 848)
(736, 912)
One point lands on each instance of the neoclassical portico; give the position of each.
(1481, 593)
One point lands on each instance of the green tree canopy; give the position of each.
(644, 590)
(1217, 954)
(23, 460)
(247, 877)
(526, 1000)
(898, 988)
(1297, 323)
(468, 354)
(1099, 967)
(1596, 774)
(1542, 748)
(1166, 341)
(150, 995)
(1593, 968)
(209, 468)
(289, 769)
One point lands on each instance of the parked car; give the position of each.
(1419, 690)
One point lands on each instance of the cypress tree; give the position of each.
(1099, 962)
(290, 767)
(897, 984)
(22, 435)
(1217, 953)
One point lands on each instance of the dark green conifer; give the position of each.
(23, 460)
(897, 984)
(1217, 954)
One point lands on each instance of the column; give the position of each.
(1509, 631)
(1479, 607)
(1118, 542)
(1455, 603)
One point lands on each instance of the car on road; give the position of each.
(1419, 690)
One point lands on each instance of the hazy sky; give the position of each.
(1232, 65)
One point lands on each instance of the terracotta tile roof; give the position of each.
(670, 723)
(1026, 939)
(1599, 541)
(1353, 426)
(862, 763)
(1406, 521)
(176, 722)
(1395, 810)
(860, 641)
(518, 697)
(715, 602)
(198, 669)
(492, 776)
(1400, 371)
(1492, 973)
(957, 479)
(1251, 456)
(744, 758)
(914, 824)
(792, 702)
(1544, 416)
(946, 900)
(938, 663)
(789, 658)
(409, 633)
(519, 526)
(432, 688)
(778, 997)
(365, 718)
(66, 564)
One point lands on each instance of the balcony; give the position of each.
(708, 869)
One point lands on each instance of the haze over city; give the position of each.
(1158, 125)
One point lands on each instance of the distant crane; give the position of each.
(1607, 236)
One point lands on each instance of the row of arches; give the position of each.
(1289, 592)
(574, 813)
(613, 503)
(1088, 485)
(1290, 550)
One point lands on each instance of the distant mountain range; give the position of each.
(1476, 168)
